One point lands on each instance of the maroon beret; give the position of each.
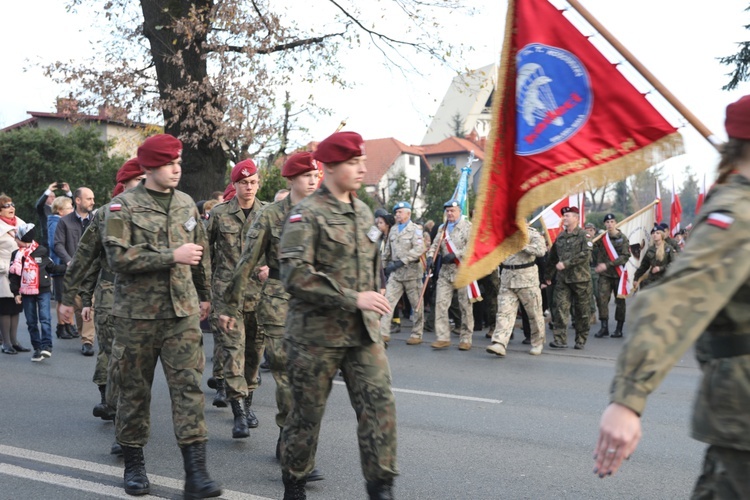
(299, 163)
(738, 119)
(119, 189)
(339, 147)
(158, 150)
(243, 170)
(229, 192)
(129, 170)
(574, 210)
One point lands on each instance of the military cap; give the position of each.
(229, 192)
(738, 119)
(129, 170)
(609, 217)
(589, 225)
(158, 150)
(339, 147)
(657, 227)
(573, 210)
(298, 163)
(451, 203)
(401, 204)
(243, 170)
(664, 226)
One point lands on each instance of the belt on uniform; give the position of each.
(519, 266)
(730, 346)
(107, 275)
(274, 274)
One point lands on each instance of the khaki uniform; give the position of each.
(519, 282)
(459, 237)
(262, 243)
(326, 260)
(573, 285)
(406, 246)
(609, 279)
(156, 309)
(649, 260)
(241, 349)
(703, 299)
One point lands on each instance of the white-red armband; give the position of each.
(115, 207)
(720, 220)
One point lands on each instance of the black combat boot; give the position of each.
(220, 399)
(618, 330)
(103, 410)
(381, 489)
(240, 429)
(197, 482)
(294, 489)
(604, 332)
(252, 420)
(136, 481)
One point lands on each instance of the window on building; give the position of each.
(449, 161)
(412, 160)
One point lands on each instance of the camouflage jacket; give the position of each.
(262, 242)
(459, 239)
(528, 276)
(673, 243)
(227, 227)
(326, 259)
(704, 297)
(574, 250)
(406, 246)
(140, 238)
(89, 274)
(621, 244)
(649, 260)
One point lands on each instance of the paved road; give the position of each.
(470, 426)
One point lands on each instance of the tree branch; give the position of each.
(284, 46)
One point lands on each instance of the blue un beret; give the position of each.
(401, 204)
(451, 203)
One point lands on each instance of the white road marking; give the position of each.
(438, 394)
(106, 470)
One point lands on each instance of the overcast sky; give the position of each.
(678, 40)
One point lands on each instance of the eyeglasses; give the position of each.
(8, 205)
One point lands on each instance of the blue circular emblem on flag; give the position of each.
(553, 98)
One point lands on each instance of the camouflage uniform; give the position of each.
(156, 310)
(573, 285)
(703, 299)
(262, 243)
(459, 237)
(649, 260)
(240, 350)
(519, 281)
(326, 260)
(406, 246)
(609, 279)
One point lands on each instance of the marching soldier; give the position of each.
(702, 298)
(519, 282)
(159, 251)
(655, 261)
(611, 251)
(330, 265)
(241, 347)
(569, 261)
(403, 248)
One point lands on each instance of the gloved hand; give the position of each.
(449, 258)
(429, 262)
(392, 266)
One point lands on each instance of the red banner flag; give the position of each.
(564, 120)
(552, 215)
(701, 195)
(675, 213)
(658, 212)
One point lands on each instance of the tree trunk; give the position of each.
(204, 161)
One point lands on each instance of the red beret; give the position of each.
(130, 170)
(243, 169)
(339, 147)
(738, 119)
(298, 163)
(229, 192)
(158, 150)
(119, 188)
(574, 210)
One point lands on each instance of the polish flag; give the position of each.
(701, 195)
(658, 215)
(552, 215)
(675, 213)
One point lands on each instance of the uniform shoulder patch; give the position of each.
(720, 220)
(589, 244)
(115, 207)
(295, 218)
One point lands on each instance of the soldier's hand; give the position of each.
(600, 268)
(227, 323)
(263, 273)
(560, 266)
(372, 301)
(655, 269)
(619, 433)
(205, 309)
(66, 313)
(189, 254)
(86, 314)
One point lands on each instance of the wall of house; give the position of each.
(459, 160)
(125, 140)
(412, 170)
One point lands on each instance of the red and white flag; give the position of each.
(675, 213)
(658, 214)
(701, 195)
(552, 215)
(625, 285)
(472, 289)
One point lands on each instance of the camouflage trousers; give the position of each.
(443, 297)
(507, 309)
(242, 352)
(277, 361)
(491, 285)
(725, 475)
(217, 359)
(595, 290)
(393, 291)
(105, 372)
(607, 288)
(577, 295)
(178, 343)
(368, 380)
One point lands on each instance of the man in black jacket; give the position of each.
(44, 205)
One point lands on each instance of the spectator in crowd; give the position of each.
(280, 194)
(218, 196)
(9, 310)
(44, 207)
(67, 235)
(60, 208)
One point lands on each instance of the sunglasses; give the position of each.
(8, 205)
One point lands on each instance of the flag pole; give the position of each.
(645, 73)
(628, 219)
